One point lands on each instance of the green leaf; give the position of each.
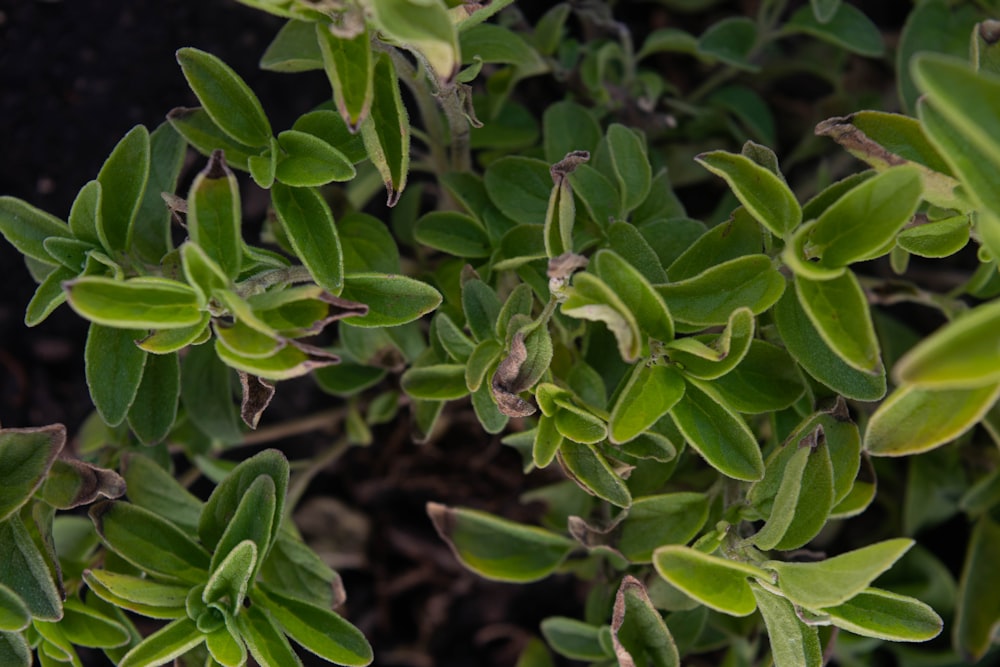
(739, 236)
(655, 521)
(499, 549)
(546, 442)
(807, 347)
(14, 614)
(123, 182)
(206, 393)
(803, 500)
(718, 583)
(766, 380)
(152, 413)
(569, 127)
(308, 222)
(961, 355)
(70, 253)
(138, 303)
(588, 468)
(836, 580)
(718, 434)
(226, 97)
(296, 570)
(150, 542)
(793, 643)
(710, 297)
(151, 229)
(367, 245)
(84, 626)
(440, 382)
(139, 594)
(861, 224)
(639, 635)
(520, 188)
(730, 41)
(293, 49)
(23, 570)
(423, 26)
(14, 650)
(913, 420)
(630, 165)
(310, 161)
(266, 642)
(350, 67)
(386, 130)
(847, 27)
(628, 241)
(635, 292)
(936, 239)
(978, 603)
(114, 367)
(224, 505)
(560, 216)
(391, 299)
(227, 586)
(482, 309)
(252, 521)
(26, 454)
(26, 228)
(885, 615)
(199, 130)
(766, 196)
(838, 309)
(48, 296)
(590, 298)
(165, 341)
(318, 630)
(454, 233)
(225, 647)
(651, 391)
(331, 128)
(155, 489)
(668, 40)
(71, 483)
(707, 359)
(573, 639)
(167, 643)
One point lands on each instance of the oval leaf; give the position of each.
(718, 583)
(308, 222)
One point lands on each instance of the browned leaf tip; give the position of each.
(257, 395)
(566, 166)
(562, 266)
(217, 167)
(842, 130)
(92, 483)
(506, 382)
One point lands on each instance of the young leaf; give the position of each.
(251, 522)
(123, 182)
(547, 441)
(155, 489)
(710, 297)
(718, 583)
(224, 505)
(766, 196)
(14, 614)
(913, 420)
(150, 542)
(839, 310)
(48, 296)
(26, 228)
(227, 585)
(138, 303)
(651, 391)
(151, 229)
(499, 549)
(350, 66)
(391, 299)
(226, 97)
(718, 434)
(424, 27)
(793, 643)
(266, 642)
(885, 615)
(655, 521)
(805, 344)
(318, 629)
(225, 646)
(639, 635)
(978, 604)
(83, 626)
(24, 571)
(707, 359)
(962, 355)
(199, 130)
(833, 581)
(25, 457)
(592, 472)
(592, 299)
(167, 643)
(636, 293)
(114, 367)
(308, 222)
(139, 594)
(574, 639)
(386, 130)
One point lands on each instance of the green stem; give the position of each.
(260, 282)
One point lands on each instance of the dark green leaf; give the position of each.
(114, 367)
(630, 164)
(569, 127)
(367, 245)
(207, 394)
(26, 228)
(497, 548)
(308, 222)
(350, 66)
(26, 454)
(651, 391)
(24, 571)
(155, 489)
(847, 27)
(293, 49)
(391, 299)
(226, 97)
(592, 472)
(199, 130)
(978, 605)
(48, 296)
(731, 41)
(138, 303)
(151, 229)
(167, 643)
(123, 183)
(386, 130)
(838, 309)
(520, 188)
(453, 233)
(439, 382)
(266, 642)
(14, 614)
(639, 635)
(154, 409)
(655, 521)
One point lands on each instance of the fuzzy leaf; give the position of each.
(114, 367)
(766, 196)
(23, 570)
(309, 225)
(453, 233)
(386, 130)
(391, 299)
(592, 472)
(655, 521)
(440, 382)
(846, 27)
(421, 25)
(167, 643)
(139, 303)
(651, 391)
(718, 583)
(885, 615)
(123, 179)
(26, 454)
(838, 309)
(793, 643)
(350, 66)
(978, 604)
(26, 228)
(639, 635)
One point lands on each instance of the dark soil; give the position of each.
(75, 77)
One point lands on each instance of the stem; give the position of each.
(260, 282)
(450, 99)
(314, 422)
(302, 479)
